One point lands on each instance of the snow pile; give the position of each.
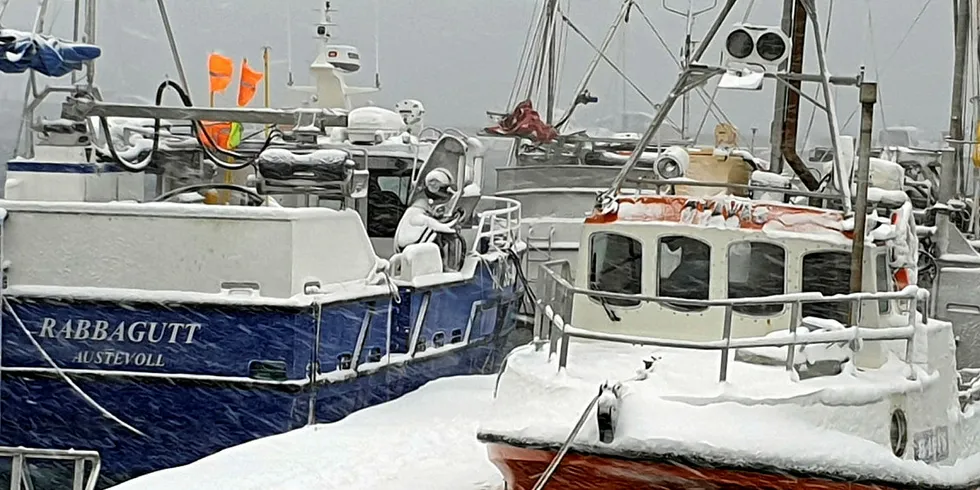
(425, 439)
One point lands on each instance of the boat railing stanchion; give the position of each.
(727, 333)
(794, 322)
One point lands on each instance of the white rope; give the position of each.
(61, 373)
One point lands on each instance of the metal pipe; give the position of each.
(77, 110)
(91, 26)
(791, 117)
(868, 98)
(843, 181)
(779, 104)
(27, 114)
(947, 180)
(552, 64)
(173, 47)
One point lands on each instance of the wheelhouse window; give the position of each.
(828, 273)
(387, 201)
(615, 266)
(683, 270)
(756, 269)
(882, 281)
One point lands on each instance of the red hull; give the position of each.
(522, 467)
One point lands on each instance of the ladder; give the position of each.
(87, 465)
(539, 251)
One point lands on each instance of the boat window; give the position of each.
(828, 273)
(387, 196)
(684, 270)
(615, 266)
(882, 281)
(756, 269)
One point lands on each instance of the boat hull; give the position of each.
(191, 396)
(522, 467)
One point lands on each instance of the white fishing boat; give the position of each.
(752, 342)
(159, 324)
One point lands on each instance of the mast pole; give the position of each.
(868, 98)
(552, 61)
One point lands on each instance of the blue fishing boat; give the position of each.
(157, 313)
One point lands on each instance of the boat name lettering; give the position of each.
(119, 358)
(132, 332)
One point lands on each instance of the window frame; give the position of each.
(658, 280)
(591, 272)
(728, 282)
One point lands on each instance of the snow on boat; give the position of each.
(749, 341)
(158, 326)
(414, 436)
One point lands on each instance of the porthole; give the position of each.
(899, 433)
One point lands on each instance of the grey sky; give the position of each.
(459, 57)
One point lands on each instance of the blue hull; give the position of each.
(198, 378)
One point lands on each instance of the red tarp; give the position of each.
(526, 123)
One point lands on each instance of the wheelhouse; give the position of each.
(669, 247)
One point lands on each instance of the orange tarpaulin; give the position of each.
(248, 85)
(220, 69)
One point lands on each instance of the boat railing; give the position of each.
(87, 465)
(500, 225)
(554, 309)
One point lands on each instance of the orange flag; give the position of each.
(249, 84)
(220, 69)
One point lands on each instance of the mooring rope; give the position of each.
(61, 373)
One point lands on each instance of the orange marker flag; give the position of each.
(249, 84)
(220, 69)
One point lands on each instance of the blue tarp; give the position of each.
(21, 51)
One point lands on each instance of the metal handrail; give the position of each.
(503, 222)
(551, 326)
(19, 471)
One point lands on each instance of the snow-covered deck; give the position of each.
(759, 418)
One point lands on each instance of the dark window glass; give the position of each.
(683, 270)
(881, 280)
(828, 273)
(615, 266)
(387, 196)
(756, 269)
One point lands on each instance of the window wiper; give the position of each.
(609, 311)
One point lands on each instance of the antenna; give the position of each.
(690, 14)
(289, 45)
(377, 46)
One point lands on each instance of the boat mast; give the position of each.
(689, 14)
(551, 46)
(952, 158)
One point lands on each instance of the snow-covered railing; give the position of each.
(555, 304)
(20, 478)
(500, 226)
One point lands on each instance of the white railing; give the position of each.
(555, 305)
(500, 225)
(84, 461)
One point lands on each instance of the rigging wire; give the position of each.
(712, 107)
(813, 108)
(874, 58)
(898, 47)
(612, 65)
(522, 67)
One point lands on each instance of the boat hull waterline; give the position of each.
(522, 467)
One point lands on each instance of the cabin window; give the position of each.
(882, 281)
(387, 201)
(684, 270)
(615, 266)
(828, 273)
(756, 269)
